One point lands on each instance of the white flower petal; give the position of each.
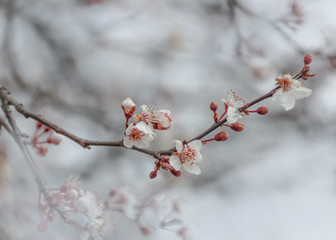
(178, 145)
(198, 157)
(288, 101)
(127, 143)
(233, 114)
(192, 168)
(196, 145)
(278, 93)
(175, 162)
(301, 92)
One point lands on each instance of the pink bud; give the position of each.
(237, 126)
(307, 59)
(213, 106)
(222, 136)
(54, 138)
(145, 231)
(42, 150)
(128, 107)
(153, 174)
(262, 110)
(175, 172)
(42, 226)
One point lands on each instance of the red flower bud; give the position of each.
(39, 125)
(213, 106)
(237, 126)
(305, 69)
(222, 136)
(175, 172)
(128, 107)
(262, 110)
(153, 174)
(307, 59)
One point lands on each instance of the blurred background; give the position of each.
(75, 61)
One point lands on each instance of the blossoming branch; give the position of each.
(140, 131)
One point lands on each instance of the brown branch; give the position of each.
(85, 143)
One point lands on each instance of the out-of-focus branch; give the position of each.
(16, 133)
(277, 26)
(6, 126)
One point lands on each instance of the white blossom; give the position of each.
(290, 89)
(234, 103)
(160, 119)
(187, 155)
(138, 134)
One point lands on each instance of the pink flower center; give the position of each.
(284, 83)
(187, 155)
(136, 135)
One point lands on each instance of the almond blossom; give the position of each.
(233, 103)
(289, 90)
(160, 119)
(139, 135)
(187, 155)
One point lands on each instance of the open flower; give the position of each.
(187, 155)
(233, 104)
(138, 134)
(289, 90)
(160, 119)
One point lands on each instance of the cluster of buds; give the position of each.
(305, 74)
(164, 164)
(44, 135)
(70, 200)
(235, 108)
(140, 132)
(186, 155)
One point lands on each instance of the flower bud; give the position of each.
(237, 126)
(222, 136)
(42, 227)
(213, 106)
(307, 59)
(42, 150)
(128, 107)
(153, 174)
(305, 69)
(54, 138)
(262, 110)
(175, 172)
(39, 125)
